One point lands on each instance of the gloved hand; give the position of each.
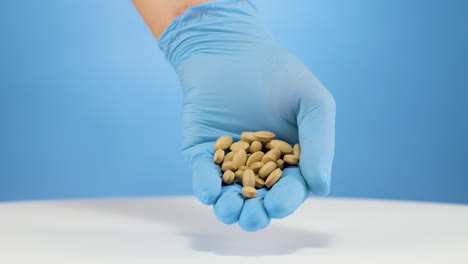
(234, 79)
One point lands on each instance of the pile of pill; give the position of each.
(255, 161)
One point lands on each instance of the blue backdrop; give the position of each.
(90, 108)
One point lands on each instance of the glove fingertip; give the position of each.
(254, 217)
(318, 181)
(321, 189)
(287, 195)
(206, 181)
(229, 205)
(207, 195)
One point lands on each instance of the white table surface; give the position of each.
(181, 230)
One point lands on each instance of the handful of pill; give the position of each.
(255, 161)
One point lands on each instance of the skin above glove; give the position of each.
(235, 78)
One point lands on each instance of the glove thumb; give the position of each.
(316, 125)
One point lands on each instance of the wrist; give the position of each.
(222, 27)
(158, 14)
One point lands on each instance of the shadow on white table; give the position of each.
(197, 223)
(159, 230)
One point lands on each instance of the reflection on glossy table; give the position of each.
(181, 230)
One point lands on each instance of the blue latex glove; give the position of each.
(234, 79)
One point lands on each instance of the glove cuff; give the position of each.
(219, 27)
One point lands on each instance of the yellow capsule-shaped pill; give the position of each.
(271, 155)
(240, 158)
(256, 166)
(229, 156)
(223, 142)
(248, 179)
(249, 192)
(267, 169)
(280, 164)
(228, 165)
(228, 177)
(218, 156)
(255, 146)
(248, 136)
(257, 156)
(259, 183)
(291, 159)
(273, 177)
(264, 136)
(239, 174)
(239, 145)
(283, 146)
(296, 150)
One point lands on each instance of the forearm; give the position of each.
(158, 14)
